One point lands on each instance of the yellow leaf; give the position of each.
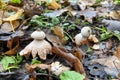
(54, 5)
(15, 16)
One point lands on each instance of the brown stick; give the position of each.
(71, 58)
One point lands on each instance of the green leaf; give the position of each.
(55, 20)
(6, 61)
(15, 1)
(9, 62)
(71, 75)
(117, 34)
(106, 35)
(35, 61)
(18, 59)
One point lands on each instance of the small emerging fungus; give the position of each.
(86, 32)
(81, 37)
(37, 46)
(57, 68)
(85, 36)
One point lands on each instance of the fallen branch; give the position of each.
(71, 58)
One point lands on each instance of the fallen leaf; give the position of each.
(13, 51)
(112, 25)
(54, 5)
(58, 31)
(88, 15)
(55, 13)
(93, 38)
(6, 26)
(88, 2)
(112, 65)
(84, 3)
(117, 52)
(97, 70)
(15, 16)
(114, 14)
(54, 39)
(96, 47)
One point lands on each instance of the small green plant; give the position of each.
(15, 1)
(117, 2)
(35, 61)
(44, 22)
(108, 34)
(10, 62)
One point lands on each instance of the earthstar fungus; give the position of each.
(37, 46)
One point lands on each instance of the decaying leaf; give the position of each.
(37, 46)
(88, 15)
(15, 16)
(54, 5)
(84, 3)
(93, 39)
(6, 26)
(96, 47)
(112, 65)
(114, 15)
(58, 31)
(88, 2)
(117, 52)
(112, 25)
(13, 51)
(57, 68)
(54, 39)
(55, 13)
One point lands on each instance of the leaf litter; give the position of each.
(59, 39)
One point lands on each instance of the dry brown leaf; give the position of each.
(117, 52)
(54, 5)
(96, 47)
(13, 51)
(42, 66)
(6, 26)
(54, 39)
(114, 15)
(93, 38)
(60, 33)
